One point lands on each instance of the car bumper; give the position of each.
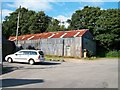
(40, 60)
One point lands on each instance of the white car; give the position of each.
(29, 56)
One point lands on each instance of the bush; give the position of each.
(113, 54)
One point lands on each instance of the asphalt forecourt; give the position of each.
(102, 73)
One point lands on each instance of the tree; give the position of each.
(103, 24)
(53, 25)
(85, 18)
(39, 23)
(30, 22)
(107, 30)
(9, 25)
(25, 21)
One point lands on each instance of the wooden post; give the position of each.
(17, 27)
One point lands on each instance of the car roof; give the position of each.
(29, 50)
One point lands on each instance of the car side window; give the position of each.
(33, 53)
(20, 53)
(26, 53)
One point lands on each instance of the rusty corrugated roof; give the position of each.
(60, 34)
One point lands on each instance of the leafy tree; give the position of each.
(53, 25)
(85, 18)
(62, 28)
(39, 23)
(69, 22)
(103, 24)
(30, 22)
(107, 29)
(25, 21)
(9, 25)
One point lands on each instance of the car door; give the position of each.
(33, 55)
(18, 56)
(25, 56)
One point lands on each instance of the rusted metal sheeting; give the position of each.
(60, 34)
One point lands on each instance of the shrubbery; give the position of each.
(113, 54)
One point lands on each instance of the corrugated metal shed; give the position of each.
(60, 34)
(61, 43)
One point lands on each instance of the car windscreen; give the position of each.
(41, 53)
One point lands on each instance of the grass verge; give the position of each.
(58, 58)
(55, 57)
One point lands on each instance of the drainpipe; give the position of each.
(63, 48)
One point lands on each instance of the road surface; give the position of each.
(70, 74)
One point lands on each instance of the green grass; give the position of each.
(110, 54)
(54, 57)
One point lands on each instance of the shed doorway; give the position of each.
(68, 51)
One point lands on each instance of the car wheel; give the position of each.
(31, 62)
(10, 60)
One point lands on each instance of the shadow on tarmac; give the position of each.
(41, 63)
(8, 69)
(48, 63)
(18, 82)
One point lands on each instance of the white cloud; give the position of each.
(5, 12)
(36, 5)
(62, 18)
(80, 8)
(102, 9)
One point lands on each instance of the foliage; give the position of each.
(113, 53)
(39, 23)
(100, 51)
(103, 24)
(53, 25)
(107, 29)
(85, 18)
(30, 23)
(10, 23)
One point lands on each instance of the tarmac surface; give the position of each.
(73, 73)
